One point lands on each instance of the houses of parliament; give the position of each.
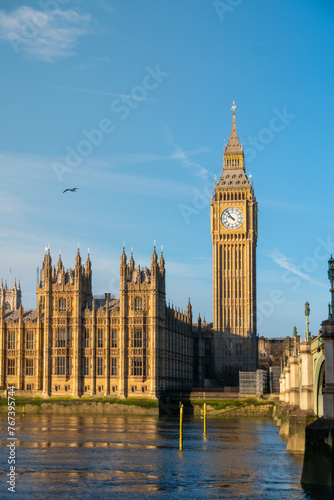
(136, 345)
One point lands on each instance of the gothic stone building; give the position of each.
(76, 345)
(136, 345)
(12, 298)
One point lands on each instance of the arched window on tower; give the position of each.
(114, 338)
(62, 305)
(100, 338)
(138, 304)
(61, 338)
(11, 340)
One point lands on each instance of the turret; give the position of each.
(154, 264)
(59, 264)
(78, 258)
(199, 322)
(162, 265)
(77, 268)
(47, 267)
(88, 266)
(131, 262)
(47, 258)
(189, 312)
(154, 256)
(123, 266)
(123, 257)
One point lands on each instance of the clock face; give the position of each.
(232, 218)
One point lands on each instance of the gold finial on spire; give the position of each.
(233, 145)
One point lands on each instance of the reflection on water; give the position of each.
(104, 456)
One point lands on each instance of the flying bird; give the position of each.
(72, 190)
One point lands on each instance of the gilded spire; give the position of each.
(233, 145)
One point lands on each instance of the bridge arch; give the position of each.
(318, 384)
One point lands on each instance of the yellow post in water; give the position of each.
(23, 411)
(204, 413)
(181, 426)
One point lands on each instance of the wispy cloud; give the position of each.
(105, 176)
(91, 91)
(286, 263)
(105, 5)
(45, 36)
(12, 205)
(103, 59)
(183, 156)
(137, 158)
(142, 185)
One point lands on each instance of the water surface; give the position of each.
(108, 456)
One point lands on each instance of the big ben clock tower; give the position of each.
(234, 239)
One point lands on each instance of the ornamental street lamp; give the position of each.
(295, 341)
(331, 279)
(307, 314)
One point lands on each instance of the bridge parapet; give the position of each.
(302, 379)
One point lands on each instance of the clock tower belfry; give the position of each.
(234, 239)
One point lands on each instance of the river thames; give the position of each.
(117, 456)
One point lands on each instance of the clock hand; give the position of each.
(230, 216)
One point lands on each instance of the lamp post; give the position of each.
(307, 314)
(295, 341)
(331, 279)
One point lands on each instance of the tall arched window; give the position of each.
(62, 305)
(100, 338)
(138, 304)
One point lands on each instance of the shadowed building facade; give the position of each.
(76, 345)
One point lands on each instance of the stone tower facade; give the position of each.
(11, 299)
(234, 238)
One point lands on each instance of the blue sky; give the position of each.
(131, 102)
